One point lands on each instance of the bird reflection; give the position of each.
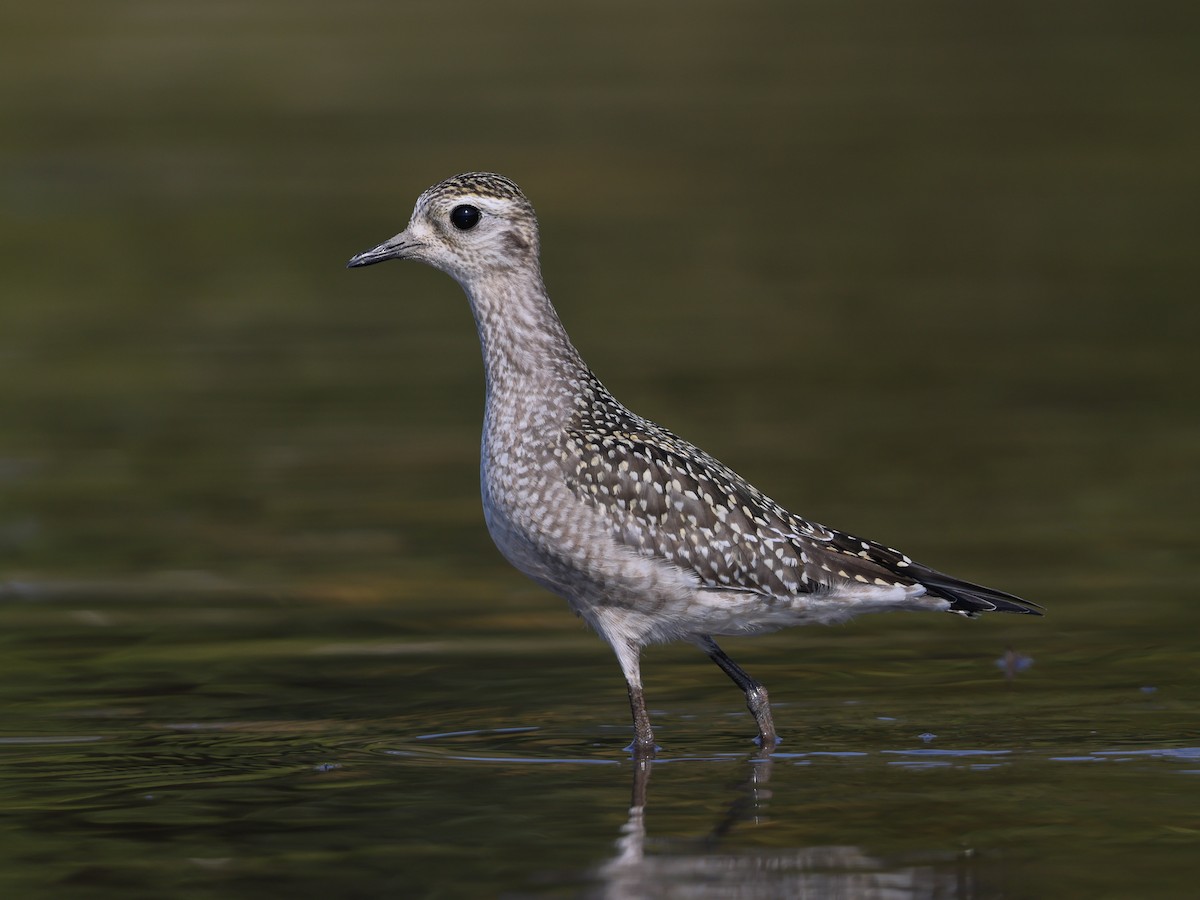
(704, 868)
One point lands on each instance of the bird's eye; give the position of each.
(464, 217)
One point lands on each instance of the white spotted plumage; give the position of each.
(647, 537)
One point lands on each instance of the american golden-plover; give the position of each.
(647, 537)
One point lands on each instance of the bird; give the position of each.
(647, 537)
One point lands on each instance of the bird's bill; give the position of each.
(399, 247)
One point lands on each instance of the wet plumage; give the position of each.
(647, 537)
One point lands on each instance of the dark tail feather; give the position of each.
(969, 599)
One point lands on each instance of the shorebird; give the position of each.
(646, 536)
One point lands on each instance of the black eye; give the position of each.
(464, 217)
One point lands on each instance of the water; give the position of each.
(922, 275)
(192, 742)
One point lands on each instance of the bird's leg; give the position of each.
(756, 695)
(643, 735)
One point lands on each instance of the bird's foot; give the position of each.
(768, 742)
(638, 750)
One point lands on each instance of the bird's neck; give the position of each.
(526, 351)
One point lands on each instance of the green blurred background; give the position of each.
(922, 271)
(925, 272)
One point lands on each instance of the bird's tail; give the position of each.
(967, 599)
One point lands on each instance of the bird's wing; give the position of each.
(667, 499)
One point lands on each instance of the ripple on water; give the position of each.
(446, 746)
(492, 745)
(39, 740)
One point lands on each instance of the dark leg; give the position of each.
(756, 695)
(643, 735)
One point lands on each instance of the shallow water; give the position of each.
(921, 274)
(196, 743)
